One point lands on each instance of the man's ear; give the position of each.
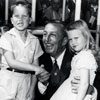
(11, 20)
(30, 21)
(65, 40)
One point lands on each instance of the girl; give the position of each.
(83, 64)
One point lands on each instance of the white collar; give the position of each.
(59, 59)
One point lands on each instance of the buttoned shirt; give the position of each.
(59, 59)
(27, 51)
(42, 88)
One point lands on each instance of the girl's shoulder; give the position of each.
(85, 53)
(85, 59)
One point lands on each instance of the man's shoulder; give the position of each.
(68, 53)
(48, 10)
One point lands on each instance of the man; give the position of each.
(54, 11)
(56, 47)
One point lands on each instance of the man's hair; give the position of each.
(60, 27)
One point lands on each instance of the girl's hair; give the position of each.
(25, 4)
(83, 27)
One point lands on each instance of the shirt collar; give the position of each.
(29, 35)
(59, 59)
(12, 32)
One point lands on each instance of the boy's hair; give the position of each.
(25, 4)
(83, 27)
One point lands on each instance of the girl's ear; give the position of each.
(65, 40)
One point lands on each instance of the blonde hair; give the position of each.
(83, 27)
(22, 3)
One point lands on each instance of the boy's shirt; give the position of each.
(25, 52)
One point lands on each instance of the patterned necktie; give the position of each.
(54, 74)
(56, 67)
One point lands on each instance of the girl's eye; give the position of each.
(69, 39)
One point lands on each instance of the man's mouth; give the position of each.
(48, 46)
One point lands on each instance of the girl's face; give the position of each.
(20, 18)
(76, 40)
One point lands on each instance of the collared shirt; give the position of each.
(42, 88)
(59, 59)
(27, 51)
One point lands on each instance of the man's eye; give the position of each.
(17, 16)
(44, 33)
(76, 38)
(53, 36)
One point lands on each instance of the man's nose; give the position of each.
(47, 38)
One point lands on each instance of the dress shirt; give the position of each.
(42, 88)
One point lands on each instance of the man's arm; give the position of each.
(91, 93)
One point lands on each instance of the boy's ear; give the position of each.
(11, 20)
(30, 21)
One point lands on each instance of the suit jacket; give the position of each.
(63, 72)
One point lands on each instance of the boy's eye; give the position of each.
(76, 38)
(17, 16)
(23, 16)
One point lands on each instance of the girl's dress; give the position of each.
(83, 59)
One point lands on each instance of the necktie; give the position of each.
(56, 68)
(54, 74)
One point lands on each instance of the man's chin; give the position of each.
(48, 51)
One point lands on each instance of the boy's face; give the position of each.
(20, 18)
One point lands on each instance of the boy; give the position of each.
(21, 51)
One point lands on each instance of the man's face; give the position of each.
(52, 40)
(56, 4)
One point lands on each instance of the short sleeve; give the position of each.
(5, 42)
(86, 60)
(38, 50)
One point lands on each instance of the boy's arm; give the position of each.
(33, 82)
(13, 63)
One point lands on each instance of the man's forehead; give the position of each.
(56, 1)
(51, 27)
